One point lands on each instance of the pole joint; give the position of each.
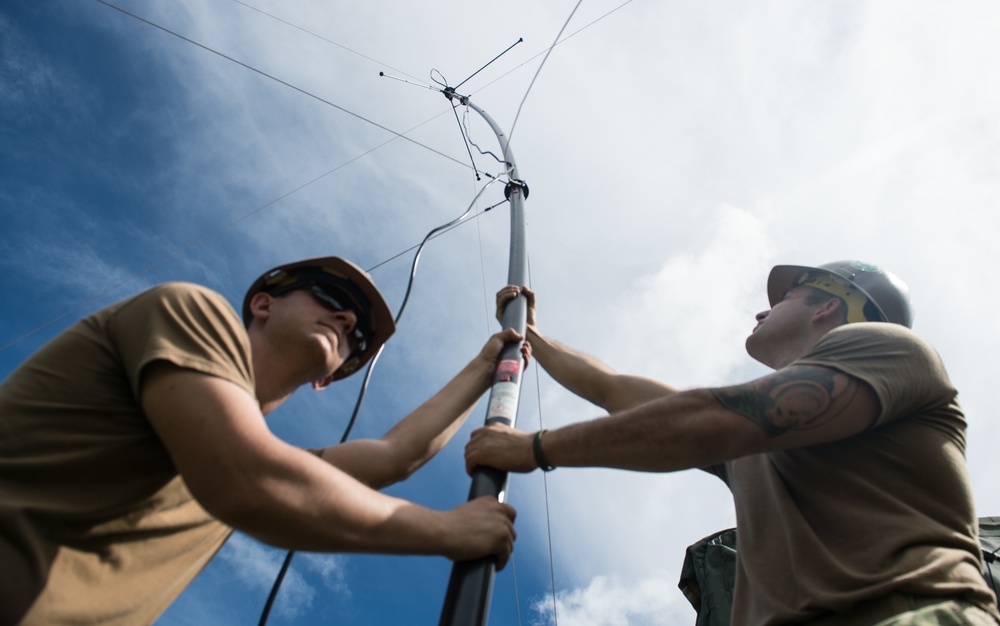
(514, 183)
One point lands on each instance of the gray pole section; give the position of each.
(470, 588)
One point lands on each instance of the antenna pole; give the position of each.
(470, 588)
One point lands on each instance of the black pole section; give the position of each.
(470, 588)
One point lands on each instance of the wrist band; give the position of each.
(536, 446)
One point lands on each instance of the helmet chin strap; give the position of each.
(320, 385)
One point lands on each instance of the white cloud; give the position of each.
(686, 322)
(256, 566)
(330, 568)
(613, 601)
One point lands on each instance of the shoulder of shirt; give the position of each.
(871, 334)
(183, 288)
(876, 330)
(179, 291)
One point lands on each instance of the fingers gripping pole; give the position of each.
(471, 585)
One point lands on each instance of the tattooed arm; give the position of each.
(793, 399)
(796, 406)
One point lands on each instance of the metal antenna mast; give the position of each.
(470, 588)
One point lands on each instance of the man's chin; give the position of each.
(753, 349)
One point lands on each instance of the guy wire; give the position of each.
(322, 38)
(510, 133)
(567, 38)
(277, 80)
(545, 488)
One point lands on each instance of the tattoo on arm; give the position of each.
(795, 398)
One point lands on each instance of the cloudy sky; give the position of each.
(674, 151)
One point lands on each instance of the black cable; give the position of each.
(468, 139)
(454, 110)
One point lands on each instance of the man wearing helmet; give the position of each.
(846, 464)
(134, 442)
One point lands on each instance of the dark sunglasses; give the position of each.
(333, 299)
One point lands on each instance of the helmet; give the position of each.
(886, 297)
(374, 315)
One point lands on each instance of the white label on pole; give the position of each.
(503, 401)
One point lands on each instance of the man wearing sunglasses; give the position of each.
(134, 442)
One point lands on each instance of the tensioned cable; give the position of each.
(567, 38)
(330, 41)
(500, 77)
(278, 80)
(510, 133)
(545, 486)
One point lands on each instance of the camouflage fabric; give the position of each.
(950, 613)
(708, 578)
(989, 536)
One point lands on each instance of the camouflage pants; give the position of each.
(950, 613)
(899, 609)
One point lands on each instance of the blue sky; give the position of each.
(674, 152)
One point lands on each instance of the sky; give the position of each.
(674, 152)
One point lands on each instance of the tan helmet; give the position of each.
(883, 297)
(375, 320)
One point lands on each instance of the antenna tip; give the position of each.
(381, 73)
(520, 39)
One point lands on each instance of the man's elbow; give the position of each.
(396, 472)
(238, 504)
(397, 461)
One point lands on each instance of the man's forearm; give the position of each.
(590, 378)
(417, 437)
(422, 433)
(682, 431)
(294, 502)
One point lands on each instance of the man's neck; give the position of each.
(273, 383)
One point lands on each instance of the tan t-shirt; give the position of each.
(824, 527)
(96, 527)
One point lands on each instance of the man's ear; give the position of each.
(260, 305)
(320, 385)
(833, 307)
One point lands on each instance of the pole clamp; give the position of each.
(515, 183)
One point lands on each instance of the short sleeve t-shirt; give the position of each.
(888, 510)
(95, 524)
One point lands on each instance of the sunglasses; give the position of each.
(332, 299)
